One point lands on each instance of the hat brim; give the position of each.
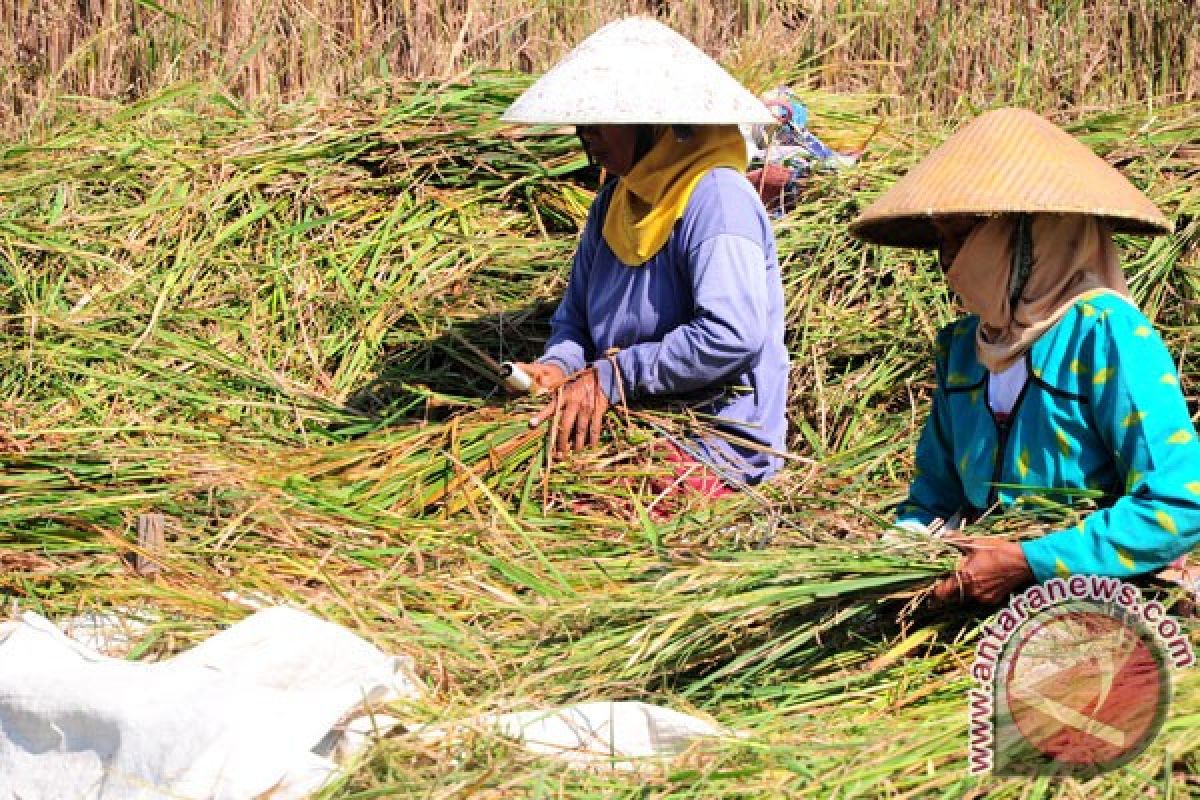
(917, 230)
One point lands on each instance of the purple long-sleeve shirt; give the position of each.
(704, 317)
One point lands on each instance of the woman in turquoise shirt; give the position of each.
(1056, 386)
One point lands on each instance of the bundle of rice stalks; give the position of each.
(714, 626)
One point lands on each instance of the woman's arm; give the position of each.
(723, 338)
(936, 492)
(570, 345)
(1141, 415)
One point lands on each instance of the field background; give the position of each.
(242, 246)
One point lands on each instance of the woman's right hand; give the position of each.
(544, 376)
(991, 570)
(580, 407)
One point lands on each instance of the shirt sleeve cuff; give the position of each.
(1042, 560)
(910, 518)
(909, 513)
(567, 367)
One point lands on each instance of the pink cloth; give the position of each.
(688, 476)
(689, 483)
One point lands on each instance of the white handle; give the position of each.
(516, 378)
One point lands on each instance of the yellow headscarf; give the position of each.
(648, 201)
(1073, 254)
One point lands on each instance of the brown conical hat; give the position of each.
(1006, 161)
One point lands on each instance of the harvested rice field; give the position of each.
(264, 325)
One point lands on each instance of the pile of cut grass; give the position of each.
(253, 324)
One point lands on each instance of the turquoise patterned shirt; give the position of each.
(1101, 411)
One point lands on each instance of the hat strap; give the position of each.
(1022, 259)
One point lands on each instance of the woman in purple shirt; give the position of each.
(675, 287)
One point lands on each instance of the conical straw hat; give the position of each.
(637, 71)
(1006, 161)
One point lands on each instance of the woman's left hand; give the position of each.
(581, 405)
(990, 571)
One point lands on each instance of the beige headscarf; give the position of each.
(1072, 254)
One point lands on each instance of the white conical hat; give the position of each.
(632, 72)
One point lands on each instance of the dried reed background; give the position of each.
(1053, 54)
(247, 316)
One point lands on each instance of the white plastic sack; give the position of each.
(260, 707)
(110, 633)
(599, 734)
